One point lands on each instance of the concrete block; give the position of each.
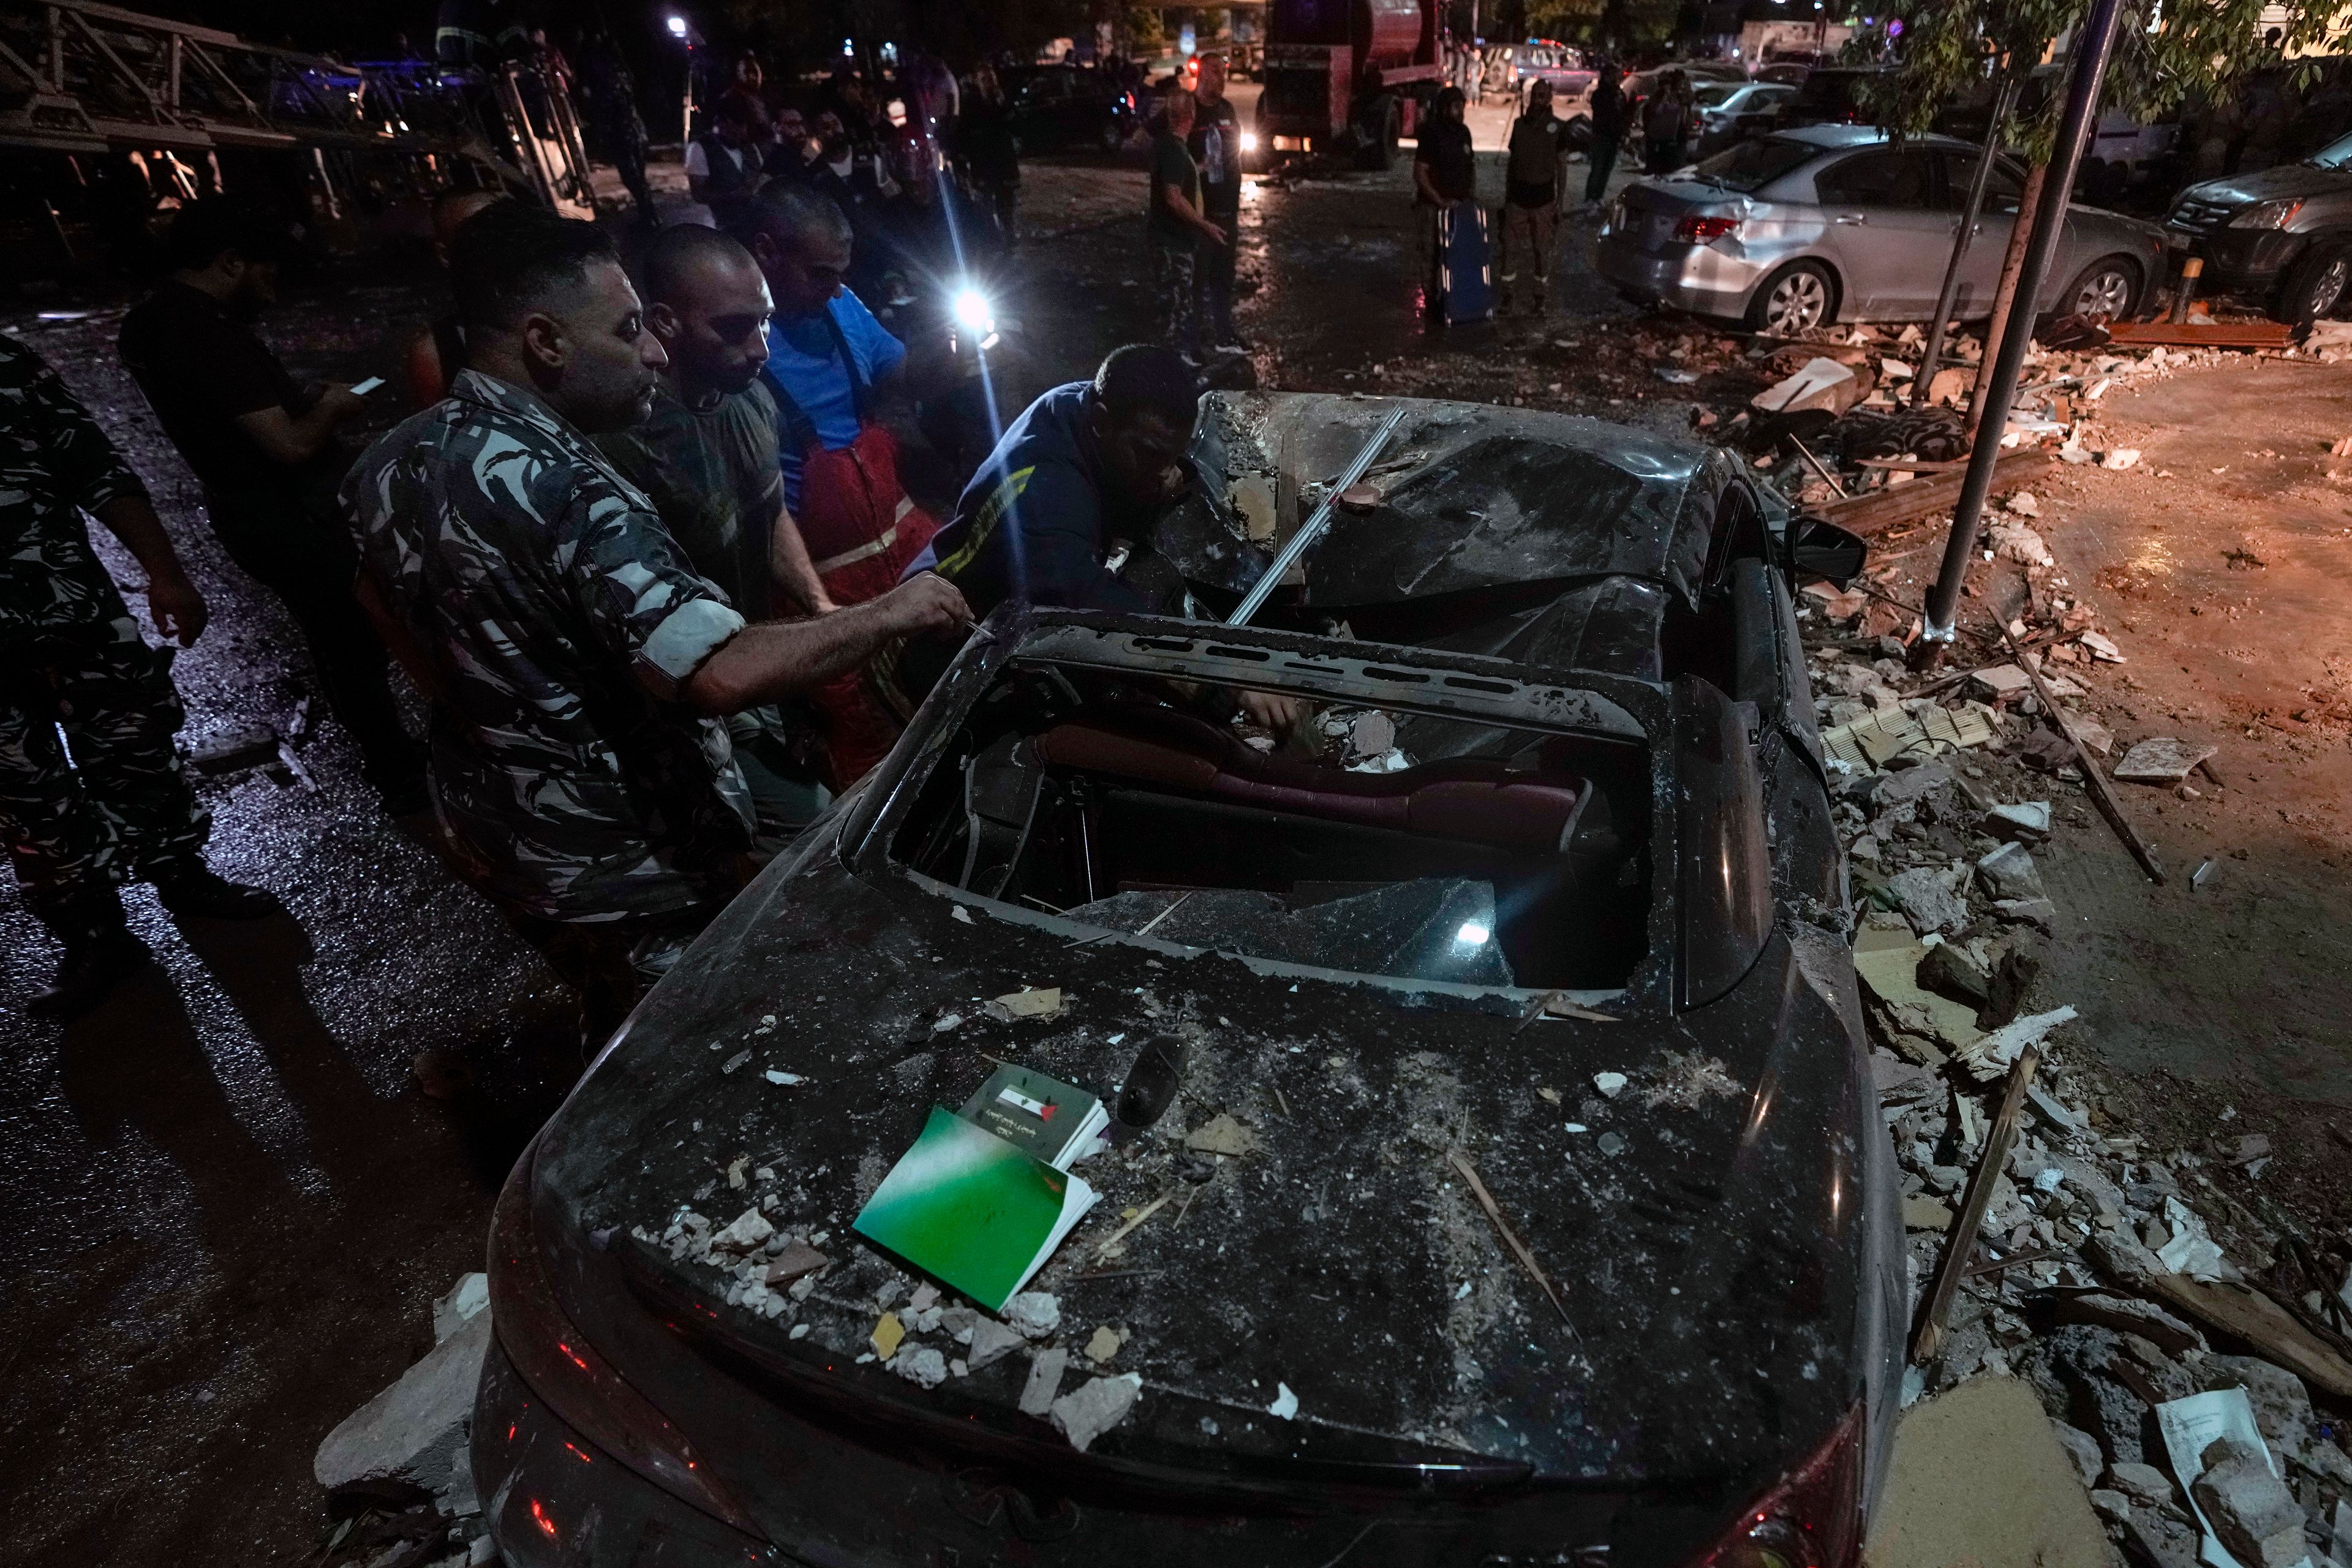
(403, 1439)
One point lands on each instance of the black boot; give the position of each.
(94, 964)
(205, 893)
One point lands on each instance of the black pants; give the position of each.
(609, 964)
(300, 550)
(120, 808)
(1605, 163)
(1212, 276)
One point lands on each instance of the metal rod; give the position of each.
(1312, 528)
(1828, 477)
(2096, 41)
(1968, 215)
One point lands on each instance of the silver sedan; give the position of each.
(1835, 223)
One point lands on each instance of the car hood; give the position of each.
(2280, 180)
(1469, 496)
(1707, 1227)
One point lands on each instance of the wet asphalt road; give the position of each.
(227, 1212)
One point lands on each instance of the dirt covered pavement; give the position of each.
(232, 1209)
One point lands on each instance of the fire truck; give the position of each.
(1347, 75)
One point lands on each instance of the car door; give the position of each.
(1887, 228)
(1988, 243)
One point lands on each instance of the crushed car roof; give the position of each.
(1469, 496)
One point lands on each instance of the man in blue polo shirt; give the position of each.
(829, 360)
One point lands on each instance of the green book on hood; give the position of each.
(971, 1210)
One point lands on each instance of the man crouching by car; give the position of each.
(580, 667)
(1062, 513)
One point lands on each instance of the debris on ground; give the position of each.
(2107, 1275)
(398, 1471)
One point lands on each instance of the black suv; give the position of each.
(2284, 233)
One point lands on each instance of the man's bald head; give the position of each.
(707, 300)
(801, 242)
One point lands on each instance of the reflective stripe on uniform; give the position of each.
(984, 521)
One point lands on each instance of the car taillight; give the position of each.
(579, 1385)
(1812, 1518)
(1695, 230)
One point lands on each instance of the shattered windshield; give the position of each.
(1752, 165)
(1372, 840)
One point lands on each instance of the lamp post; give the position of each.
(683, 31)
(2095, 42)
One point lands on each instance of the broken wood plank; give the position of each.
(1961, 1244)
(2103, 795)
(1875, 511)
(2248, 1315)
(2201, 335)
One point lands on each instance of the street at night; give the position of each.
(1681, 1059)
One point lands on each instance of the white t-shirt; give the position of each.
(698, 160)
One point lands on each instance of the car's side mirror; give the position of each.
(1823, 550)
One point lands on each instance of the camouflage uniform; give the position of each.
(71, 655)
(557, 620)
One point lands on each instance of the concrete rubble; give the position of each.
(399, 1470)
(2112, 1276)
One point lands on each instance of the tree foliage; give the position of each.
(2167, 51)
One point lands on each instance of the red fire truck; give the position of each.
(1347, 75)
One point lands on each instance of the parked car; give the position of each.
(1733, 111)
(1836, 223)
(2283, 235)
(1601, 842)
(1058, 107)
(1784, 72)
(1829, 95)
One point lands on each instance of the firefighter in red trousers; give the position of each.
(828, 363)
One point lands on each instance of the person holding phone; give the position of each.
(264, 449)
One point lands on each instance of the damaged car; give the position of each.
(1493, 1172)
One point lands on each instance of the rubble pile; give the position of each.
(398, 1471)
(2114, 1277)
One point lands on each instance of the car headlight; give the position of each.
(2269, 215)
(1249, 141)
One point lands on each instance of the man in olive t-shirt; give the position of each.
(1175, 225)
(707, 459)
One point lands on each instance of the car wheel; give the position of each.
(2108, 287)
(2315, 286)
(1801, 295)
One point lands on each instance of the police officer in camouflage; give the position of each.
(580, 667)
(70, 654)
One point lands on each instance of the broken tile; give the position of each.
(1045, 1381)
(1031, 1001)
(1095, 1408)
(2009, 873)
(1104, 1346)
(1221, 1134)
(2161, 759)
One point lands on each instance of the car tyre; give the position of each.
(2108, 287)
(1801, 295)
(1112, 136)
(2318, 285)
